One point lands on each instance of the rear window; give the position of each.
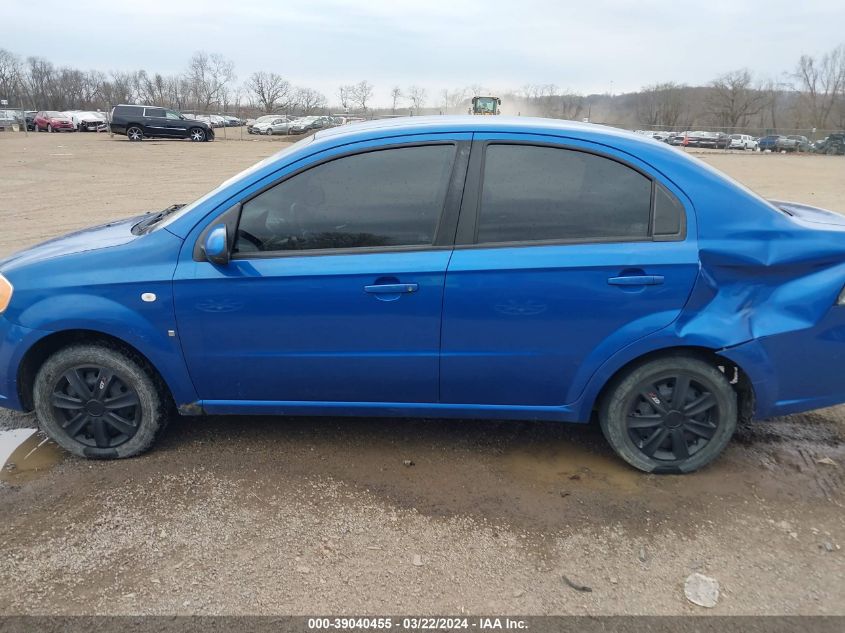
(128, 111)
(154, 112)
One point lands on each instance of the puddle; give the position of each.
(572, 466)
(26, 454)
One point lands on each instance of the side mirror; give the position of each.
(216, 245)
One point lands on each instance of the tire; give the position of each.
(50, 128)
(269, 131)
(78, 395)
(134, 133)
(196, 134)
(641, 423)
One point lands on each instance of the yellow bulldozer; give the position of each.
(485, 105)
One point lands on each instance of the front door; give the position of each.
(176, 124)
(569, 257)
(335, 289)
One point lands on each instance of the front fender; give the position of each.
(144, 326)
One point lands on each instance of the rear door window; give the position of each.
(535, 193)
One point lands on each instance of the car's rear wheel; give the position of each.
(134, 133)
(98, 402)
(671, 415)
(50, 128)
(196, 134)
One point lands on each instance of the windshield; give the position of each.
(485, 104)
(295, 147)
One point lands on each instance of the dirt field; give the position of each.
(277, 516)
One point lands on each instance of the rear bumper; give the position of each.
(796, 371)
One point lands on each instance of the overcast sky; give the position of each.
(591, 46)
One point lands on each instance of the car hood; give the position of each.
(810, 214)
(103, 236)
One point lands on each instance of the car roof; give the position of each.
(466, 123)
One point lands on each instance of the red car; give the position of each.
(53, 122)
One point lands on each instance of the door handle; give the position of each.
(391, 289)
(636, 280)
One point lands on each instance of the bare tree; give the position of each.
(661, 105)
(345, 94)
(270, 90)
(452, 99)
(208, 76)
(361, 94)
(733, 99)
(417, 96)
(822, 82)
(308, 101)
(119, 88)
(10, 75)
(395, 94)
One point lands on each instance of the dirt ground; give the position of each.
(302, 516)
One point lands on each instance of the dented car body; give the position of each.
(451, 267)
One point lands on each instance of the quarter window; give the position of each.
(535, 193)
(391, 197)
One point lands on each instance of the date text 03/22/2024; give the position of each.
(417, 623)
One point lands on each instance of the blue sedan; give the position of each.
(459, 267)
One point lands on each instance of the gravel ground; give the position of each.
(294, 516)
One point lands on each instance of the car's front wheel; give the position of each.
(98, 402)
(134, 133)
(671, 415)
(269, 131)
(196, 134)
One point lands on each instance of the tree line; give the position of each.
(811, 95)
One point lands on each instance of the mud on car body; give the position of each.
(457, 267)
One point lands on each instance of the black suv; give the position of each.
(138, 122)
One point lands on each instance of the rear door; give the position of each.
(564, 256)
(155, 122)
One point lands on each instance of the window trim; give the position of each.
(444, 230)
(467, 235)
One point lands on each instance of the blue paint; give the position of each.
(515, 331)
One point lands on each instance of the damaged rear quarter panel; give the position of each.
(766, 295)
(764, 298)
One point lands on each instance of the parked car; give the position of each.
(29, 117)
(52, 121)
(250, 126)
(270, 126)
(308, 123)
(742, 141)
(88, 121)
(777, 143)
(138, 122)
(11, 118)
(231, 121)
(802, 143)
(402, 268)
(831, 145)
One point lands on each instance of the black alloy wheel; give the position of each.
(673, 418)
(96, 407)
